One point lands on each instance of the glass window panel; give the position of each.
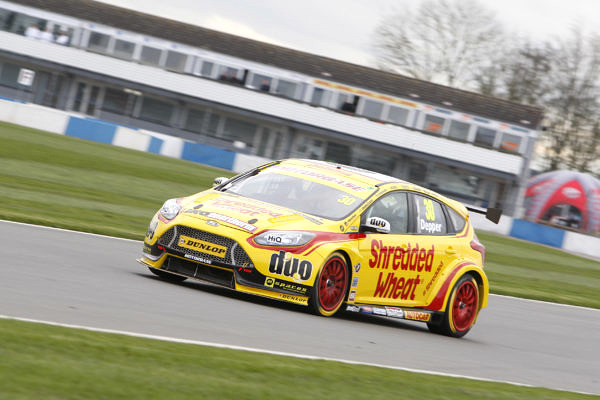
(392, 207)
(286, 88)
(485, 136)
(372, 109)
(194, 121)
(175, 61)
(9, 75)
(207, 68)
(511, 142)
(459, 130)
(458, 221)
(338, 152)
(116, 101)
(373, 160)
(454, 182)
(264, 140)
(261, 82)
(320, 97)
(417, 172)
(236, 129)
(156, 111)
(228, 74)
(150, 55)
(398, 115)
(124, 49)
(433, 124)
(98, 41)
(213, 123)
(430, 216)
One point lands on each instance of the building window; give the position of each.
(207, 69)
(485, 136)
(9, 75)
(98, 41)
(320, 97)
(158, 111)
(124, 49)
(433, 124)
(175, 61)
(228, 74)
(338, 152)
(242, 131)
(398, 115)
(286, 89)
(116, 101)
(417, 172)
(150, 55)
(373, 160)
(459, 130)
(194, 120)
(261, 82)
(511, 142)
(213, 124)
(372, 109)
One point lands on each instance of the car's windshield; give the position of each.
(296, 193)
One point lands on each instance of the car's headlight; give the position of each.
(284, 238)
(170, 209)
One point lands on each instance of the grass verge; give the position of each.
(70, 183)
(49, 362)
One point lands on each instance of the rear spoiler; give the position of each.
(493, 214)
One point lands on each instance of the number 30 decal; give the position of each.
(429, 210)
(346, 200)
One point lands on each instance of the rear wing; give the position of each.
(493, 214)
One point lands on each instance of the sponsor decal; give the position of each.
(289, 286)
(269, 282)
(571, 193)
(354, 229)
(394, 312)
(147, 249)
(396, 287)
(378, 222)
(406, 258)
(366, 310)
(282, 264)
(352, 308)
(379, 311)
(223, 218)
(199, 259)
(202, 246)
(430, 227)
(321, 176)
(292, 298)
(352, 295)
(357, 267)
(417, 315)
(244, 208)
(435, 276)
(355, 281)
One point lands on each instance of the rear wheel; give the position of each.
(167, 275)
(331, 285)
(461, 310)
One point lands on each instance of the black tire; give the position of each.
(330, 287)
(461, 310)
(167, 276)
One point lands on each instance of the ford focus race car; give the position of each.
(330, 237)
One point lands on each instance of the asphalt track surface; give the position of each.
(88, 280)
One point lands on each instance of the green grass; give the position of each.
(76, 184)
(71, 183)
(47, 362)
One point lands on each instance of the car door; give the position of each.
(396, 267)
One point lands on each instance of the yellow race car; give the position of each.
(331, 237)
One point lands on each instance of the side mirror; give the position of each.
(219, 181)
(376, 224)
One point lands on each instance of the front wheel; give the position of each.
(331, 285)
(461, 310)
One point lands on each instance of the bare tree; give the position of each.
(441, 41)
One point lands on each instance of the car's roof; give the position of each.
(363, 177)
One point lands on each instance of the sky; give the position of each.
(343, 29)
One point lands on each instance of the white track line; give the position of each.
(140, 241)
(252, 349)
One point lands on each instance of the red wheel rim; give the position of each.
(465, 305)
(332, 284)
